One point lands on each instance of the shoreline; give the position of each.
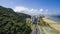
(58, 21)
(52, 23)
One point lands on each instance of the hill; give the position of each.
(12, 22)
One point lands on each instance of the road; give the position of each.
(37, 29)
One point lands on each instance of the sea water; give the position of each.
(55, 18)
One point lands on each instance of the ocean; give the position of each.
(55, 17)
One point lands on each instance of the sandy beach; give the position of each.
(52, 23)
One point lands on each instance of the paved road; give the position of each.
(37, 29)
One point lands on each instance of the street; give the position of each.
(37, 29)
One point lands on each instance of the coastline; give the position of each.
(52, 23)
(58, 21)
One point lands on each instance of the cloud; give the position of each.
(20, 8)
(41, 9)
(25, 10)
(29, 11)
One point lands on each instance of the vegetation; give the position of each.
(47, 26)
(12, 22)
(42, 23)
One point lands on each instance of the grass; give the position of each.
(42, 24)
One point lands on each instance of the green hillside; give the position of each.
(12, 22)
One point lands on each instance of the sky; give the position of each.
(33, 7)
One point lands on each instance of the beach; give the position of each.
(52, 23)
